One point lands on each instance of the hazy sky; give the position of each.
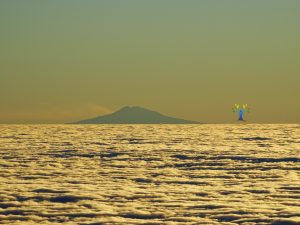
(64, 60)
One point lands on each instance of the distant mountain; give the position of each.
(135, 115)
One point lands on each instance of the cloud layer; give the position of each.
(150, 174)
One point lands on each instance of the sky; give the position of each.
(67, 60)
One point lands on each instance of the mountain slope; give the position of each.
(135, 115)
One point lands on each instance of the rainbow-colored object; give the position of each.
(240, 110)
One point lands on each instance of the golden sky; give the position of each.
(68, 60)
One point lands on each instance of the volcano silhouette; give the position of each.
(135, 115)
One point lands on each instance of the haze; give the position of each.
(62, 61)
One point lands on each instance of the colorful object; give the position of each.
(240, 110)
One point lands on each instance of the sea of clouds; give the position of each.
(150, 174)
